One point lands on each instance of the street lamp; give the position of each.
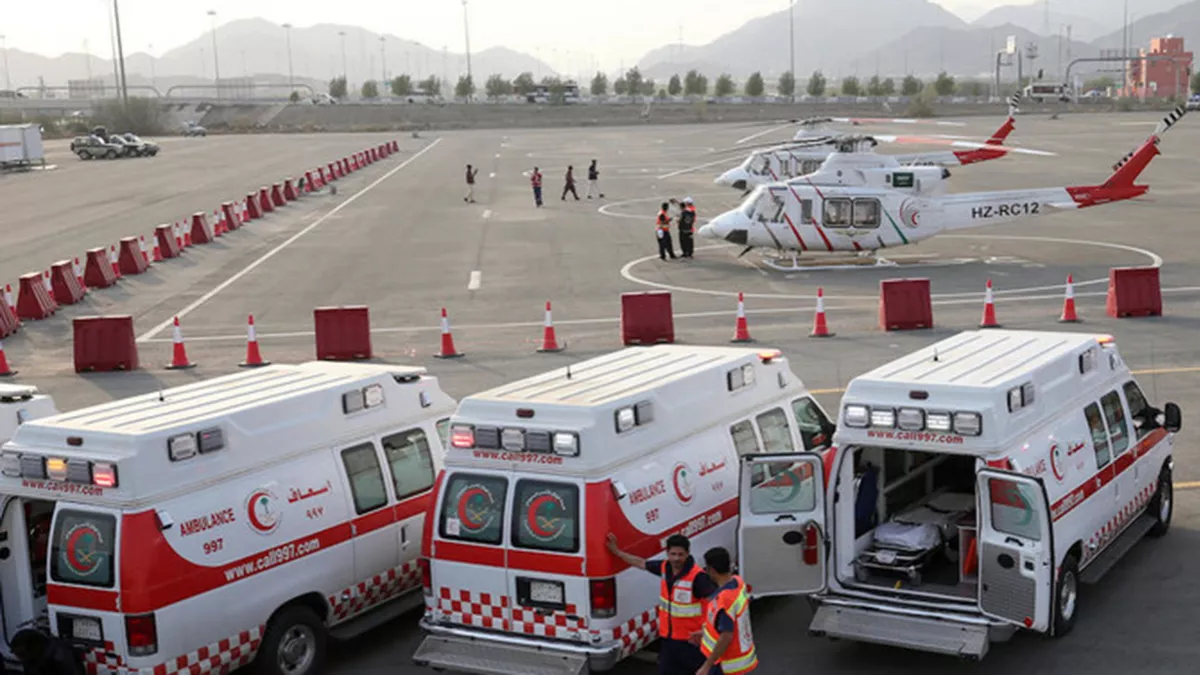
(120, 53)
(383, 61)
(291, 75)
(792, 28)
(153, 77)
(216, 60)
(7, 76)
(467, 36)
(346, 77)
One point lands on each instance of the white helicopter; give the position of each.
(849, 205)
(791, 160)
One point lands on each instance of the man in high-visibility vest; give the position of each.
(726, 639)
(681, 603)
(662, 228)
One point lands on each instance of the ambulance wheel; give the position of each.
(294, 643)
(1066, 606)
(1162, 506)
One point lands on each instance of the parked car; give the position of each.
(143, 148)
(1194, 102)
(194, 129)
(127, 149)
(94, 147)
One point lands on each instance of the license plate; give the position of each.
(86, 629)
(546, 592)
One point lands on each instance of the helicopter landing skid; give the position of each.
(793, 263)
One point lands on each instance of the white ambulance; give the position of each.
(193, 529)
(976, 485)
(643, 443)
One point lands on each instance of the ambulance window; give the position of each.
(546, 516)
(782, 486)
(443, 429)
(473, 509)
(744, 440)
(366, 478)
(1118, 429)
(1013, 508)
(1099, 435)
(1139, 409)
(813, 424)
(412, 465)
(776, 435)
(84, 544)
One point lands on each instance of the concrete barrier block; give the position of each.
(647, 318)
(67, 290)
(343, 333)
(905, 304)
(1133, 292)
(104, 344)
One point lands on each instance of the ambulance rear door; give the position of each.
(469, 561)
(1016, 549)
(782, 525)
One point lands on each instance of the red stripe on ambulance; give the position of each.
(1106, 475)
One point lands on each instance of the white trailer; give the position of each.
(21, 145)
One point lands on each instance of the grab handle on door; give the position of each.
(1014, 540)
(786, 516)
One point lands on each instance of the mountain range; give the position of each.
(838, 37)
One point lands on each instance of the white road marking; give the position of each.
(270, 254)
(476, 281)
(487, 213)
(497, 155)
(727, 160)
(492, 174)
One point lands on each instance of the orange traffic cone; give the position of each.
(820, 329)
(157, 252)
(48, 285)
(144, 249)
(114, 259)
(254, 359)
(79, 275)
(179, 360)
(741, 333)
(448, 350)
(5, 371)
(549, 339)
(989, 309)
(1068, 312)
(8, 297)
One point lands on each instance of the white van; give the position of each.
(976, 484)
(643, 443)
(195, 528)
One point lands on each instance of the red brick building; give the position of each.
(1166, 76)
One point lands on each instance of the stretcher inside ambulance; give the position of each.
(642, 443)
(205, 525)
(976, 484)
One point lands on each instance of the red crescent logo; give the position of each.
(531, 516)
(267, 521)
(82, 555)
(473, 521)
(1054, 462)
(680, 480)
(909, 215)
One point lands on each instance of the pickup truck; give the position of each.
(94, 147)
(139, 147)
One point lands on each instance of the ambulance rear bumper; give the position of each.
(475, 651)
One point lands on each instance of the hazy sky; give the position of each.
(611, 31)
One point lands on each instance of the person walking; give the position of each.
(570, 184)
(726, 639)
(687, 225)
(535, 179)
(663, 225)
(471, 173)
(594, 181)
(681, 603)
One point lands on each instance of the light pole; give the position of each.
(792, 29)
(383, 63)
(287, 27)
(346, 77)
(7, 76)
(216, 60)
(467, 37)
(120, 53)
(153, 77)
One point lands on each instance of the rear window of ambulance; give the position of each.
(546, 516)
(473, 509)
(83, 547)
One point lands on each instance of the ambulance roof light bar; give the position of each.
(964, 423)
(58, 469)
(358, 400)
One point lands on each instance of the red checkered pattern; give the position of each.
(219, 657)
(379, 588)
(1115, 524)
(636, 633)
(482, 610)
(564, 624)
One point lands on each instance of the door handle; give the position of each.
(786, 516)
(1014, 540)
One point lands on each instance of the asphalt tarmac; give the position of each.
(398, 238)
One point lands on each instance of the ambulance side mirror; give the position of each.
(1172, 418)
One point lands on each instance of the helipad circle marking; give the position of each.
(1155, 259)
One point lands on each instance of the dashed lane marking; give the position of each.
(492, 174)
(487, 213)
(476, 281)
(270, 254)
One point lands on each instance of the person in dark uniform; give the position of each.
(471, 173)
(41, 654)
(682, 600)
(687, 225)
(569, 186)
(663, 230)
(594, 180)
(535, 179)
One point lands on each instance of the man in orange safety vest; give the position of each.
(726, 640)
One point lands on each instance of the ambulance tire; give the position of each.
(1067, 608)
(1162, 506)
(297, 629)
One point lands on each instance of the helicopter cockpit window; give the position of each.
(809, 166)
(866, 213)
(837, 212)
(761, 166)
(750, 204)
(768, 208)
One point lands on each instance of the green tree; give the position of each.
(370, 90)
(972, 88)
(662, 92)
(402, 85)
(754, 85)
(944, 84)
(294, 97)
(633, 80)
(850, 86)
(1104, 82)
(337, 88)
(599, 84)
(787, 84)
(889, 87)
(911, 86)
(432, 85)
(648, 88)
(674, 86)
(465, 87)
(523, 84)
(694, 84)
(620, 87)
(1196, 83)
(874, 86)
(724, 86)
(816, 84)
(496, 86)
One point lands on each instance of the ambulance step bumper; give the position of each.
(501, 655)
(878, 626)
